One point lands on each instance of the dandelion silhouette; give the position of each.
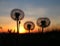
(17, 14)
(29, 25)
(43, 22)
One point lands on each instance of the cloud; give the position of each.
(34, 11)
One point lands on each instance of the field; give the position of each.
(52, 37)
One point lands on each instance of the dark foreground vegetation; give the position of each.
(15, 39)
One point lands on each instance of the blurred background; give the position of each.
(33, 9)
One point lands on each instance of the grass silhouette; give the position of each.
(29, 38)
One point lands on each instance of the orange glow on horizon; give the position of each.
(22, 30)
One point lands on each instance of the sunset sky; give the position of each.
(33, 9)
